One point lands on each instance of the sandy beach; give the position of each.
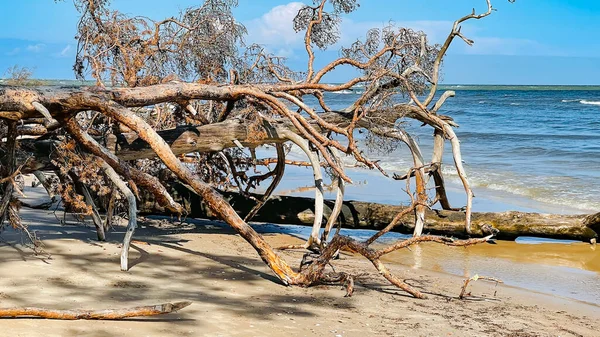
(234, 293)
(422, 117)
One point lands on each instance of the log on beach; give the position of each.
(366, 215)
(107, 314)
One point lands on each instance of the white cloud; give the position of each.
(35, 48)
(275, 29)
(65, 51)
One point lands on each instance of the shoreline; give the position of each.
(234, 293)
(567, 269)
(372, 186)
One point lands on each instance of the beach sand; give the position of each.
(235, 294)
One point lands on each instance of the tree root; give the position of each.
(278, 175)
(339, 198)
(315, 274)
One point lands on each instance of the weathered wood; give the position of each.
(214, 201)
(7, 169)
(207, 138)
(132, 212)
(593, 221)
(108, 314)
(366, 215)
(83, 190)
(17, 102)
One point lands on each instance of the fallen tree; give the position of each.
(367, 215)
(116, 139)
(208, 138)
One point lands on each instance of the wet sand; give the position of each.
(566, 270)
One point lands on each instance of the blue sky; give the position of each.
(528, 42)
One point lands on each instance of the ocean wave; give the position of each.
(583, 101)
(343, 92)
(556, 192)
(449, 170)
(515, 103)
(570, 100)
(572, 193)
(399, 165)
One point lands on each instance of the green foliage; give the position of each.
(20, 76)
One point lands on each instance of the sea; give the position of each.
(529, 148)
(532, 148)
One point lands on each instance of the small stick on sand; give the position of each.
(475, 278)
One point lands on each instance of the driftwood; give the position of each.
(367, 215)
(210, 138)
(463, 290)
(107, 314)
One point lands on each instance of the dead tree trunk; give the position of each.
(367, 215)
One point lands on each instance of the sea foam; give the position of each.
(583, 101)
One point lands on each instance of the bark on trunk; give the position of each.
(366, 215)
(204, 138)
(7, 169)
